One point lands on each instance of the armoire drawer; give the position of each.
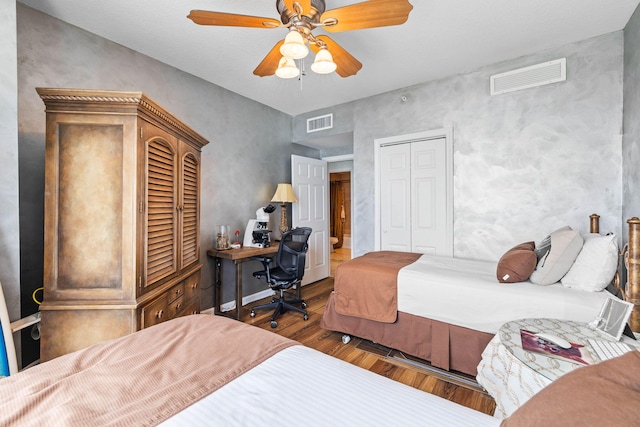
(155, 312)
(176, 291)
(192, 287)
(191, 307)
(175, 307)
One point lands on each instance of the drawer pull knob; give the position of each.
(159, 314)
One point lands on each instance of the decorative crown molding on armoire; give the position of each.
(122, 217)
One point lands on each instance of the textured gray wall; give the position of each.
(248, 154)
(9, 212)
(631, 140)
(525, 162)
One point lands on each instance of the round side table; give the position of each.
(512, 375)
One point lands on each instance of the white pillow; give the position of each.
(565, 247)
(596, 264)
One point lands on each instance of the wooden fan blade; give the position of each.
(368, 14)
(305, 4)
(203, 17)
(269, 64)
(347, 64)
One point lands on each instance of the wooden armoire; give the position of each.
(121, 223)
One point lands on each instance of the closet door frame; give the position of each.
(447, 134)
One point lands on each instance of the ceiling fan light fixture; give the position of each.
(302, 18)
(287, 68)
(323, 63)
(294, 46)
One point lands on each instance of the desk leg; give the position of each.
(238, 290)
(217, 285)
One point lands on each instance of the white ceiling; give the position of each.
(441, 38)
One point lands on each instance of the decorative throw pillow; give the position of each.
(543, 247)
(605, 394)
(565, 247)
(517, 264)
(595, 265)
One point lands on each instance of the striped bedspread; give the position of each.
(138, 380)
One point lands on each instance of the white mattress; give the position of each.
(301, 386)
(466, 293)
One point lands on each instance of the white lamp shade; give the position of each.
(324, 62)
(294, 46)
(287, 68)
(284, 194)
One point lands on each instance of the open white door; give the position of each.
(310, 181)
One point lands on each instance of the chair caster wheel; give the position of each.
(303, 305)
(274, 324)
(305, 317)
(252, 314)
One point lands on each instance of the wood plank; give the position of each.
(309, 333)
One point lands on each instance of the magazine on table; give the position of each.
(575, 354)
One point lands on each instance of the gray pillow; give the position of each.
(552, 266)
(543, 247)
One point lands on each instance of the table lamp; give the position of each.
(284, 194)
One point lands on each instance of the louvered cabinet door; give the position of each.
(189, 206)
(160, 210)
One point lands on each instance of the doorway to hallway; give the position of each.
(340, 212)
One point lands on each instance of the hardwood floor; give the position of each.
(309, 333)
(338, 256)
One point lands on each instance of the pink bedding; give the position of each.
(141, 379)
(605, 394)
(367, 286)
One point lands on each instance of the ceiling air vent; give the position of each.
(315, 124)
(527, 77)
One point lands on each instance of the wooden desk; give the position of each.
(238, 256)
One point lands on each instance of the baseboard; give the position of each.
(231, 305)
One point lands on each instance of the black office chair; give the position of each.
(286, 273)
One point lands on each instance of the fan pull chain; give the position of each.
(302, 73)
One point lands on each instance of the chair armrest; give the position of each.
(266, 261)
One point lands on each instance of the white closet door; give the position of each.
(414, 208)
(395, 197)
(428, 197)
(309, 179)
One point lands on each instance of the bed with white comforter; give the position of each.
(301, 386)
(466, 293)
(204, 370)
(442, 309)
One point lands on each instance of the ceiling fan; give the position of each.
(301, 17)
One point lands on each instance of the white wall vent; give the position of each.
(532, 76)
(315, 124)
